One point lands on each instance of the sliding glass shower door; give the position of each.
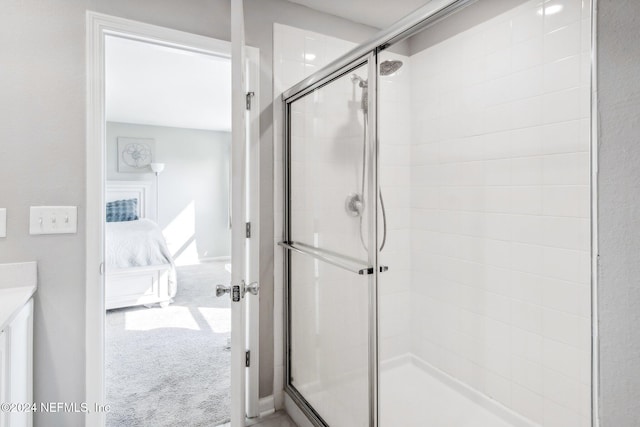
(330, 250)
(456, 150)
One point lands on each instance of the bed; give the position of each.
(139, 268)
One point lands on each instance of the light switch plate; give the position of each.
(53, 220)
(3, 222)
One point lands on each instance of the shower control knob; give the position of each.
(354, 204)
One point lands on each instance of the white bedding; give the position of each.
(137, 243)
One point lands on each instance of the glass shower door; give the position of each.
(480, 132)
(329, 261)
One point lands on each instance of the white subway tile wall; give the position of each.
(395, 137)
(500, 209)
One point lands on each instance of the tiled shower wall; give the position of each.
(500, 208)
(395, 142)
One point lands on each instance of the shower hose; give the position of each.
(364, 163)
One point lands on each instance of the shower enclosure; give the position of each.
(437, 222)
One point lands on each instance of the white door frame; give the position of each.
(252, 56)
(98, 26)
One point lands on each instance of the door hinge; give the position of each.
(247, 358)
(249, 96)
(248, 229)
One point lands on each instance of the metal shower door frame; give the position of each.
(369, 59)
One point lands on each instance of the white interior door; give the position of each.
(243, 280)
(252, 175)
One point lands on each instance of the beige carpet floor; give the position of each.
(170, 366)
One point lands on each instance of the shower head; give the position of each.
(389, 67)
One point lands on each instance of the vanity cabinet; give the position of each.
(16, 366)
(4, 377)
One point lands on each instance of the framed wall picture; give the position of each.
(135, 154)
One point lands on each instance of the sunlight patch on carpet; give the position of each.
(219, 319)
(173, 317)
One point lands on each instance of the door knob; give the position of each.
(252, 288)
(222, 289)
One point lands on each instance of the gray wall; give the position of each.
(196, 172)
(618, 64)
(42, 157)
(42, 161)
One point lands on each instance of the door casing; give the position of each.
(98, 26)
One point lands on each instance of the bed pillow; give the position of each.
(122, 210)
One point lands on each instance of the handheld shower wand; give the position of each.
(355, 202)
(364, 99)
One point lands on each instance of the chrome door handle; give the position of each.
(222, 289)
(253, 288)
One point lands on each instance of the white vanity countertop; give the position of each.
(17, 285)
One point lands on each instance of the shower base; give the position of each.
(414, 394)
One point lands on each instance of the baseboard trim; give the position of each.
(266, 406)
(278, 398)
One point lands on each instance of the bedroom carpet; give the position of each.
(170, 366)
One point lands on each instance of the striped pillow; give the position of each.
(122, 210)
